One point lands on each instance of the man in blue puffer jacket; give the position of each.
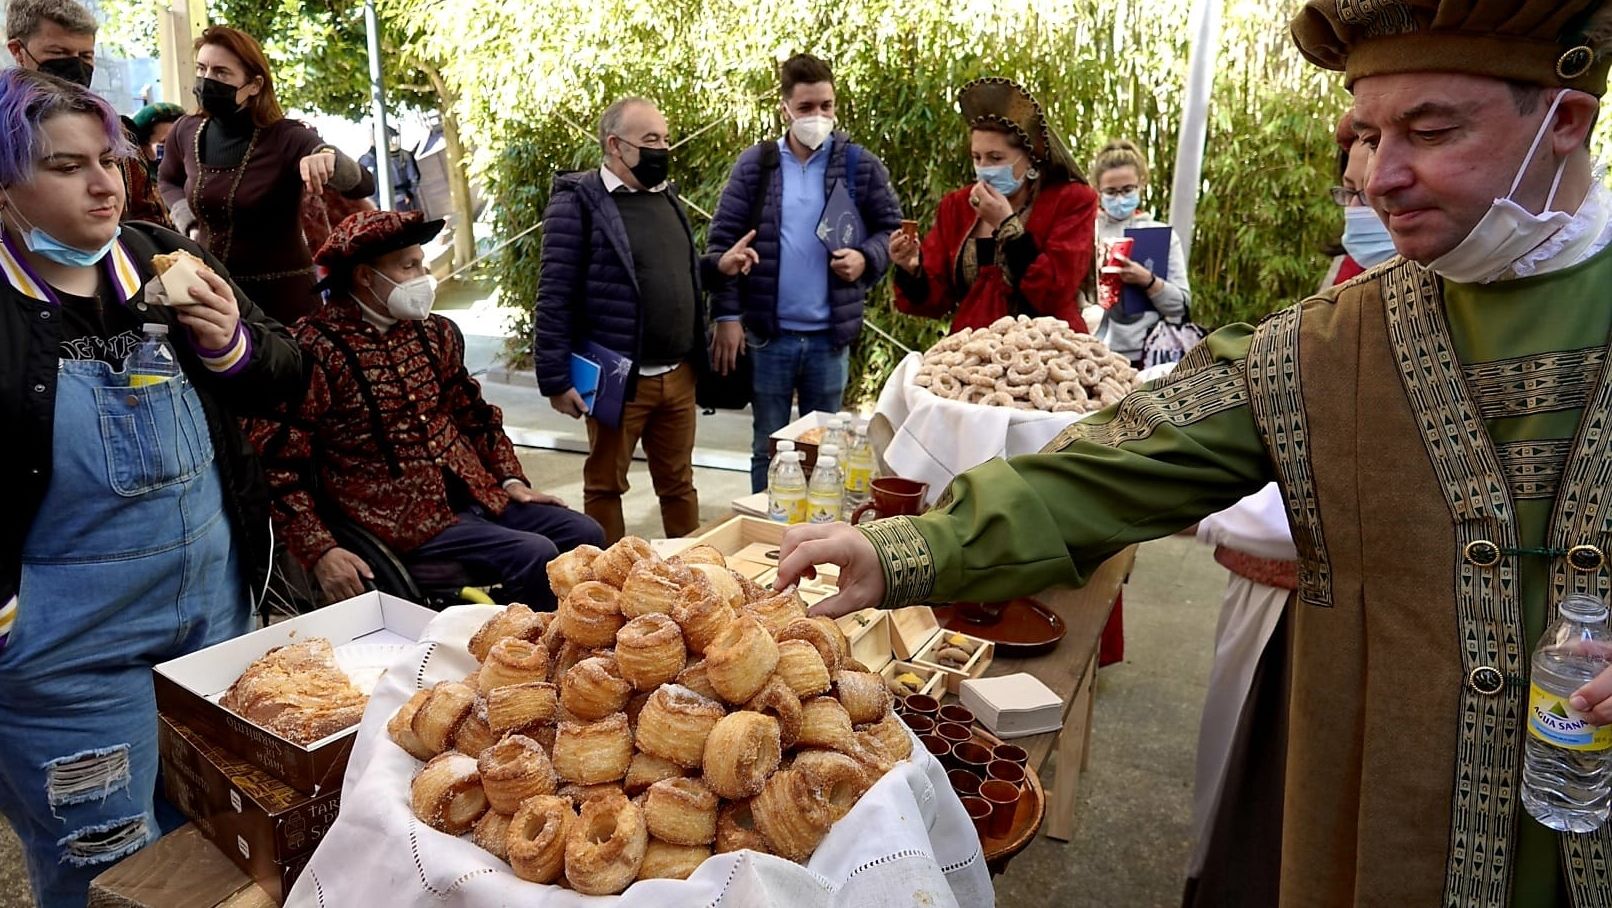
(620, 270)
(798, 313)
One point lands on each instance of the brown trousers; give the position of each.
(662, 415)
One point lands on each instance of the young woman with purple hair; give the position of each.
(133, 523)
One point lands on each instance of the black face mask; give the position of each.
(215, 97)
(653, 164)
(68, 69)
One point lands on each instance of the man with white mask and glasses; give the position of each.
(1437, 429)
(796, 313)
(393, 431)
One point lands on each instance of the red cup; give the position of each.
(920, 725)
(921, 705)
(1004, 800)
(1012, 753)
(1109, 282)
(955, 712)
(1004, 771)
(972, 756)
(893, 497)
(936, 745)
(979, 810)
(965, 783)
(954, 732)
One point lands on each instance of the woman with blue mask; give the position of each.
(1121, 176)
(1366, 242)
(1015, 241)
(134, 521)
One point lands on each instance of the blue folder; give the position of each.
(1152, 251)
(610, 385)
(841, 226)
(585, 379)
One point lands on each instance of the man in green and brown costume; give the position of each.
(1440, 429)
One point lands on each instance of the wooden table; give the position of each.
(180, 870)
(1071, 672)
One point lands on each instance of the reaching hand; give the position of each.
(861, 575)
(338, 572)
(739, 258)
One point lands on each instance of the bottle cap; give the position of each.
(826, 460)
(791, 456)
(785, 446)
(845, 415)
(154, 328)
(828, 451)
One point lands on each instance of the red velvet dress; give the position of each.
(1045, 268)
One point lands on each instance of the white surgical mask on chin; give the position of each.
(1507, 231)
(412, 299)
(811, 131)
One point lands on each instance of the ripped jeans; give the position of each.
(128, 563)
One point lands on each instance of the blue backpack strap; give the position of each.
(853, 160)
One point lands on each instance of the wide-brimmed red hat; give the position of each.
(365, 235)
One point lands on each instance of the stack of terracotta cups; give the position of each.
(990, 779)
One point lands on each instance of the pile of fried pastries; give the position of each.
(298, 692)
(1027, 364)
(667, 711)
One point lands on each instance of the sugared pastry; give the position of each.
(615, 563)
(439, 716)
(813, 632)
(594, 688)
(513, 707)
(474, 736)
(753, 591)
(841, 779)
(824, 723)
(695, 679)
(792, 813)
(492, 834)
(513, 661)
(702, 614)
(885, 742)
(831, 629)
(571, 568)
(515, 620)
(741, 751)
(736, 829)
(681, 811)
(675, 723)
(401, 729)
(653, 587)
(513, 770)
(591, 614)
(723, 582)
(592, 752)
(801, 667)
(447, 795)
(537, 835)
(298, 692)
(863, 695)
(650, 650)
(582, 794)
(777, 700)
(568, 656)
(777, 611)
(665, 861)
(741, 659)
(606, 846)
(702, 554)
(647, 769)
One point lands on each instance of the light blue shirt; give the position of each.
(802, 257)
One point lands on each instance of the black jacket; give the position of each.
(30, 341)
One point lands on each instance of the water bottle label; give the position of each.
(857, 478)
(1553, 720)
(137, 380)
(823, 512)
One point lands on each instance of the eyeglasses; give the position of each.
(1115, 192)
(1346, 197)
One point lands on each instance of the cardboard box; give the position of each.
(916, 636)
(266, 827)
(750, 545)
(1013, 706)
(869, 632)
(817, 419)
(188, 688)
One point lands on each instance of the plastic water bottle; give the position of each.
(835, 435)
(825, 497)
(153, 362)
(1567, 767)
(784, 447)
(860, 465)
(786, 492)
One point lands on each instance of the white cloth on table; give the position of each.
(907, 841)
(932, 439)
(1256, 526)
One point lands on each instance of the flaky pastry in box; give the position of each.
(917, 637)
(869, 633)
(179, 271)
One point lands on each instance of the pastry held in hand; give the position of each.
(178, 272)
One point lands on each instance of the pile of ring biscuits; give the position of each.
(668, 710)
(1027, 364)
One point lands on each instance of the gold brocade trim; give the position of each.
(1276, 400)
(1185, 396)
(1484, 802)
(1535, 384)
(904, 556)
(1533, 468)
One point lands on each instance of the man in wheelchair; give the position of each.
(394, 434)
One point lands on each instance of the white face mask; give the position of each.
(1508, 231)
(811, 131)
(412, 299)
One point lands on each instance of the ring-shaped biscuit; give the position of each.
(535, 847)
(589, 753)
(591, 615)
(681, 811)
(740, 753)
(675, 724)
(605, 846)
(741, 659)
(650, 650)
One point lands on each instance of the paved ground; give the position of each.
(1132, 833)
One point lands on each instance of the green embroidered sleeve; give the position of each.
(1168, 455)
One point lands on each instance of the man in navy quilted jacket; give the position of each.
(620, 270)
(801, 308)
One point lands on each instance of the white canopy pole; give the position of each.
(1195, 120)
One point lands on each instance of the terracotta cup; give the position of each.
(920, 725)
(954, 732)
(972, 756)
(1012, 753)
(1004, 798)
(979, 810)
(965, 783)
(921, 705)
(936, 745)
(893, 497)
(956, 712)
(1004, 771)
